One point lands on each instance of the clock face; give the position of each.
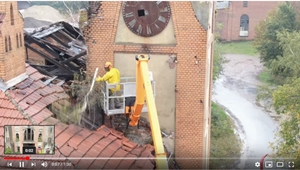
(146, 18)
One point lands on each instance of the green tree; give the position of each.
(8, 150)
(218, 56)
(286, 102)
(266, 42)
(288, 65)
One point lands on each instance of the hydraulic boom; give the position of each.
(144, 88)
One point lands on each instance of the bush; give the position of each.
(224, 142)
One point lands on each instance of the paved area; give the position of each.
(236, 91)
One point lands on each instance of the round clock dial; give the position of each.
(146, 18)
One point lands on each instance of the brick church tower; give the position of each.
(179, 38)
(12, 51)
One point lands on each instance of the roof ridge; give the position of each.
(18, 107)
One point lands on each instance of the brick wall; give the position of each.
(230, 18)
(12, 61)
(191, 42)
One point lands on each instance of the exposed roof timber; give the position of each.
(48, 58)
(47, 32)
(58, 40)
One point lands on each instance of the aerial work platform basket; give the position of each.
(126, 95)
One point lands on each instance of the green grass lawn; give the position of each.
(244, 47)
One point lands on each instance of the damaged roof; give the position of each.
(26, 104)
(61, 45)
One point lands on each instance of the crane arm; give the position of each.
(144, 88)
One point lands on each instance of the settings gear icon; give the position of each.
(257, 164)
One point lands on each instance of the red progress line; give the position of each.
(27, 158)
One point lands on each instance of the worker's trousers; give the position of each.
(114, 102)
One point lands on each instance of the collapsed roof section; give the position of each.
(56, 50)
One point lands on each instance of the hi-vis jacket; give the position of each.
(112, 77)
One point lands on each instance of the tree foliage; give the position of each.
(217, 55)
(266, 42)
(288, 65)
(286, 102)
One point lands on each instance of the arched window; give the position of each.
(28, 135)
(244, 25)
(17, 38)
(6, 45)
(20, 38)
(9, 43)
(17, 137)
(11, 15)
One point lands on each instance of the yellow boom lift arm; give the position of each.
(144, 88)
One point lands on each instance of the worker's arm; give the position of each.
(105, 77)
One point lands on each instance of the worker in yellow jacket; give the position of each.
(112, 76)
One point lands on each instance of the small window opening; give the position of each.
(20, 38)
(17, 38)
(141, 13)
(6, 45)
(11, 15)
(9, 43)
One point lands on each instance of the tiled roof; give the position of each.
(26, 105)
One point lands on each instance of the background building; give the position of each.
(239, 18)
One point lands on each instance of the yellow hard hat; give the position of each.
(107, 64)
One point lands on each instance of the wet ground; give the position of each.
(236, 92)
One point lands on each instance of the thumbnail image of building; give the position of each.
(40, 137)
(239, 18)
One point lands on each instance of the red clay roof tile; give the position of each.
(37, 76)
(76, 154)
(31, 111)
(14, 113)
(98, 164)
(93, 152)
(126, 163)
(1, 133)
(78, 138)
(112, 163)
(120, 153)
(66, 150)
(50, 121)
(85, 163)
(62, 138)
(2, 121)
(30, 70)
(137, 151)
(42, 115)
(24, 84)
(60, 127)
(2, 111)
(40, 84)
(11, 106)
(23, 105)
(2, 95)
(83, 147)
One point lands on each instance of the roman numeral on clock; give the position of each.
(149, 30)
(140, 29)
(130, 14)
(132, 23)
(162, 19)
